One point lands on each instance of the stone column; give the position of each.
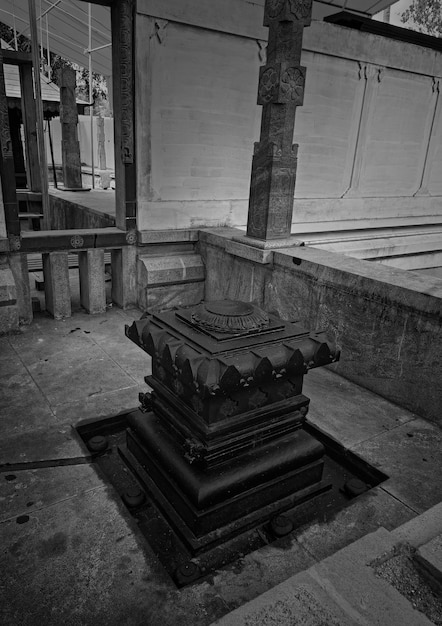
(280, 91)
(70, 147)
(92, 281)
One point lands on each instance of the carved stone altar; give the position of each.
(221, 439)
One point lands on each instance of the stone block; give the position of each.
(165, 270)
(124, 276)
(8, 301)
(92, 282)
(19, 267)
(57, 288)
(8, 319)
(8, 293)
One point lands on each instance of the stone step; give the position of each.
(343, 590)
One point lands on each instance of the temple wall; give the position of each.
(386, 322)
(370, 130)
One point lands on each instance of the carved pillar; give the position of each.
(70, 147)
(122, 14)
(280, 91)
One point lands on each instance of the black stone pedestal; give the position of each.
(221, 446)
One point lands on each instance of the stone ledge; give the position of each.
(167, 236)
(257, 255)
(373, 281)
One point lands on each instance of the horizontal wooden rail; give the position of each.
(28, 196)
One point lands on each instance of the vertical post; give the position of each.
(70, 147)
(91, 106)
(280, 91)
(57, 287)
(92, 281)
(39, 116)
(29, 115)
(7, 171)
(124, 278)
(123, 105)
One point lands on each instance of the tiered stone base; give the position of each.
(208, 506)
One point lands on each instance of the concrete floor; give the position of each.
(71, 554)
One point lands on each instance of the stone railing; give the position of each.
(55, 248)
(387, 322)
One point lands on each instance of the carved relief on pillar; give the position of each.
(126, 80)
(5, 136)
(288, 10)
(281, 83)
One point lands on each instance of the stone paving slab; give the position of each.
(350, 413)
(429, 556)
(79, 562)
(99, 406)
(23, 407)
(411, 455)
(27, 491)
(80, 374)
(44, 444)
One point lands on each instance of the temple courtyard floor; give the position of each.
(71, 554)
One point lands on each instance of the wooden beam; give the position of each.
(15, 57)
(29, 115)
